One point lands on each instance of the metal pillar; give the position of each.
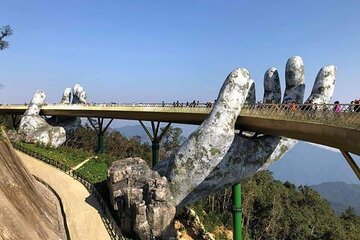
(237, 212)
(100, 130)
(155, 139)
(352, 163)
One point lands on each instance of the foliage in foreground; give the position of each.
(276, 210)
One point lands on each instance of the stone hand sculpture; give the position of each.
(222, 158)
(214, 157)
(34, 129)
(78, 96)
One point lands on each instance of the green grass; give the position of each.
(94, 171)
(69, 157)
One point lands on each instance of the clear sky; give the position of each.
(147, 51)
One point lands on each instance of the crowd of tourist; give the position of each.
(354, 106)
(190, 104)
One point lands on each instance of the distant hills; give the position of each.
(131, 131)
(340, 195)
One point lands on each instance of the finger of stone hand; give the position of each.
(36, 103)
(79, 95)
(251, 97)
(207, 145)
(324, 85)
(295, 80)
(66, 97)
(230, 99)
(272, 88)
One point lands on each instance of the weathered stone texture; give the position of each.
(295, 80)
(272, 88)
(79, 95)
(66, 97)
(142, 199)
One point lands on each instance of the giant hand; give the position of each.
(214, 157)
(34, 129)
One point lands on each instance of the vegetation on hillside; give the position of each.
(276, 210)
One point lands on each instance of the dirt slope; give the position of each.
(27, 209)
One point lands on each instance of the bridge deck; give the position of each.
(335, 129)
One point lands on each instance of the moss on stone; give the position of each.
(214, 151)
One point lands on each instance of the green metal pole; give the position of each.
(100, 146)
(237, 212)
(155, 152)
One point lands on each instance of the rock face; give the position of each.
(34, 129)
(141, 197)
(28, 210)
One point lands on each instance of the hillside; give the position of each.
(340, 195)
(28, 209)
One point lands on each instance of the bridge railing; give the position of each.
(339, 115)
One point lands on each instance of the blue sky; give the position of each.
(149, 51)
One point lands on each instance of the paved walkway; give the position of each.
(83, 219)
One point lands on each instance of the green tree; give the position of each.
(351, 223)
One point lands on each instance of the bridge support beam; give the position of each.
(100, 131)
(237, 212)
(352, 163)
(155, 139)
